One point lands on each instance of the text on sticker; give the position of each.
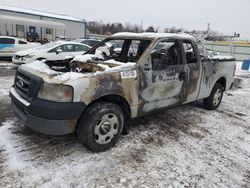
(129, 74)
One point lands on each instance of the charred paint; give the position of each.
(108, 85)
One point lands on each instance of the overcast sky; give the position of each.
(227, 16)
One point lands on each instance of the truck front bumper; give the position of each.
(52, 118)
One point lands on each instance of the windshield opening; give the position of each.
(121, 50)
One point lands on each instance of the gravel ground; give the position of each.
(182, 147)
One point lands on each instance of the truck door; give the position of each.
(162, 76)
(193, 67)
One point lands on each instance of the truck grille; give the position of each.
(27, 85)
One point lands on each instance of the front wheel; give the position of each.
(215, 98)
(100, 126)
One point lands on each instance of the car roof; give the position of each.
(60, 42)
(14, 38)
(151, 35)
(90, 39)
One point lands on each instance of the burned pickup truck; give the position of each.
(98, 91)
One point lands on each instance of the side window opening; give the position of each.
(111, 49)
(80, 48)
(121, 50)
(165, 54)
(21, 42)
(61, 47)
(189, 52)
(7, 41)
(69, 48)
(136, 49)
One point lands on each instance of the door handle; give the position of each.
(182, 76)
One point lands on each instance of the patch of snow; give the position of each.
(41, 67)
(123, 67)
(14, 161)
(84, 58)
(105, 67)
(5, 86)
(69, 76)
(114, 62)
(186, 146)
(3, 92)
(38, 49)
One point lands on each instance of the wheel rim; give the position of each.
(106, 128)
(217, 97)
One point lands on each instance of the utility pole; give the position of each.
(141, 25)
(101, 28)
(208, 27)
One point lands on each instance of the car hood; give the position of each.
(94, 69)
(30, 51)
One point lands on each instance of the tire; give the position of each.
(215, 98)
(100, 126)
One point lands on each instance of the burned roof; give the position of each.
(151, 35)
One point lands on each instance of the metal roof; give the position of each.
(40, 13)
(35, 22)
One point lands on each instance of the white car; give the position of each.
(10, 45)
(89, 42)
(58, 50)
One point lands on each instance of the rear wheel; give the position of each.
(215, 98)
(100, 126)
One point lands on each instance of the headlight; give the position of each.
(56, 93)
(28, 56)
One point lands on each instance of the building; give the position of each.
(35, 25)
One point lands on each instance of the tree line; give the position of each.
(96, 27)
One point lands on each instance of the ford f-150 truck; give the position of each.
(97, 92)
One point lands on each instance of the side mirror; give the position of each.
(58, 51)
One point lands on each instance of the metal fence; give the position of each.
(240, 52)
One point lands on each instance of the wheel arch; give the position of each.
(222, 81)
(116, 99)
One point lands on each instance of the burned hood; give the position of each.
(81, 70)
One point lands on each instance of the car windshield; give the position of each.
(122, 50)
